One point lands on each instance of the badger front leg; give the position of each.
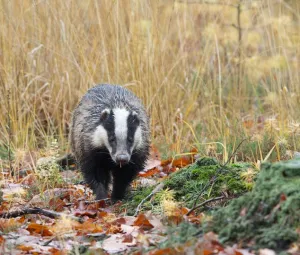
(97, 178)
(122, 177)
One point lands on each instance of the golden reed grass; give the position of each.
(202, 67)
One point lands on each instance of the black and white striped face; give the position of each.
(120, 132)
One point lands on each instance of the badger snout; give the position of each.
(122, 159)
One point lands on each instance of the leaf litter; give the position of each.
(105, 228)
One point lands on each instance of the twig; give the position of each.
(204, 203)
(213, 179)
(36, 210)
(158, 188)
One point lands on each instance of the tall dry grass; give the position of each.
(215, 69)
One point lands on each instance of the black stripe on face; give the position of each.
(109, 125)
(132, 123)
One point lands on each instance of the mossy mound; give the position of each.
(268, 216)
(188, 182)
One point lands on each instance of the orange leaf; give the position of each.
(166, 162)
(149, 173)
(119, 221)
(57, 204)
(142, 222)
(2, 240)
(88, 227)
(113, 229)
(208, 252)
(127, 238)
(24, 247)
(39, 229)
(182, 162)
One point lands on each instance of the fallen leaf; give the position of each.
(119, 221)
(128, 238)
(87, 227)
(113, 229)
(142, 222)
(35, 228)
(24, 247)
(57, 204)
(2, 240)
(114, 244)
(149, 173)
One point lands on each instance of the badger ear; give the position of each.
(104, 114)
(135, 118)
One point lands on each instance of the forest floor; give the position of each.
(183, 205)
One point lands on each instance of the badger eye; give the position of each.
(130, 139)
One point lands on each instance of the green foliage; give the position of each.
(133, 198)
(188, 182)
(268, 215)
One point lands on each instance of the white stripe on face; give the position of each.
(121, 116)
(138, 141)
(100, 138)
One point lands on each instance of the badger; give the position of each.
(110, 138)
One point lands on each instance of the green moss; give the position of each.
(134, 198)
(268, 215)
(188, 182)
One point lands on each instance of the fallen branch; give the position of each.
(36, 210)
(157, 188)
(204, 203)
(214, 178)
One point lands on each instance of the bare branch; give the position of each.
(204, 203)
(158, 188)
(36, 210)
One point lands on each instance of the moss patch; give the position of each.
(188, 182)
(268, 216)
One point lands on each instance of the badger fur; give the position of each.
(110, 137)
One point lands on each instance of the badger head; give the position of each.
(119, 132)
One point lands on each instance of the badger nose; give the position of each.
(122, 159)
